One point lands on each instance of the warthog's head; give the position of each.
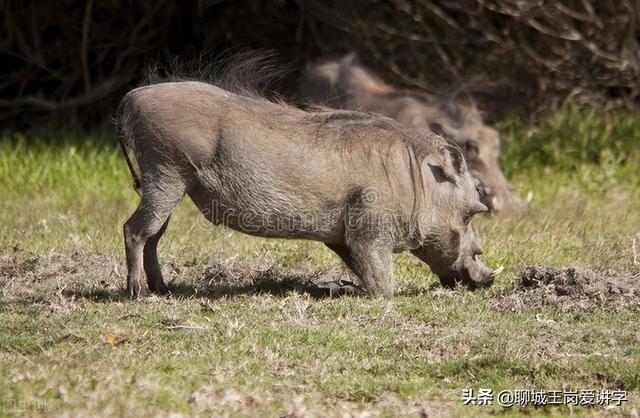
(481, 146)
(467, 267)
(452, 246)
(454, 256)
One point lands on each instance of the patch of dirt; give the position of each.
(51, 265)
(573, 287)
(50, 278)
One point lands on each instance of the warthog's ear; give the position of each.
(450, 160)
(447, 164)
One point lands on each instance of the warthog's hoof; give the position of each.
(136, 290)
(342, 287)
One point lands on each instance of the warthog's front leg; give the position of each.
(374, 267)
(368, 238)
(423, 254)
(344, 287)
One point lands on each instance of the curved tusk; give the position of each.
(529, 197)
(497, 271)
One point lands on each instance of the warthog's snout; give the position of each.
(475, 274)
(471, 272)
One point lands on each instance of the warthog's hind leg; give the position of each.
(146, 226)
(151, 264)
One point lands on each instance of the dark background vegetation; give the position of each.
(70, 61)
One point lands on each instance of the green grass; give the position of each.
(243, 331)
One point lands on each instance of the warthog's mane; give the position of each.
(257, 74)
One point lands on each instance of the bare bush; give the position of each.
(510, 51)
(75, 58)
(65, 55)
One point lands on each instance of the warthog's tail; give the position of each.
(124, 137)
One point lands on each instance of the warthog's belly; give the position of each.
(277, 218)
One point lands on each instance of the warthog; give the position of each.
(344, 84)
(272, 170)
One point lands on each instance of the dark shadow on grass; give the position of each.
(275, 287)
(232, 279)
(219, 284)
(98, 295)
(219, 291)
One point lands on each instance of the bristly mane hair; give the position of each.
(254, 73)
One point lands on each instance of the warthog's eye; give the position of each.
(471, 151)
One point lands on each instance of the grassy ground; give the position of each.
(245, 329)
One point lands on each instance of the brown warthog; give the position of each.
(271, 170)
(344, 84)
